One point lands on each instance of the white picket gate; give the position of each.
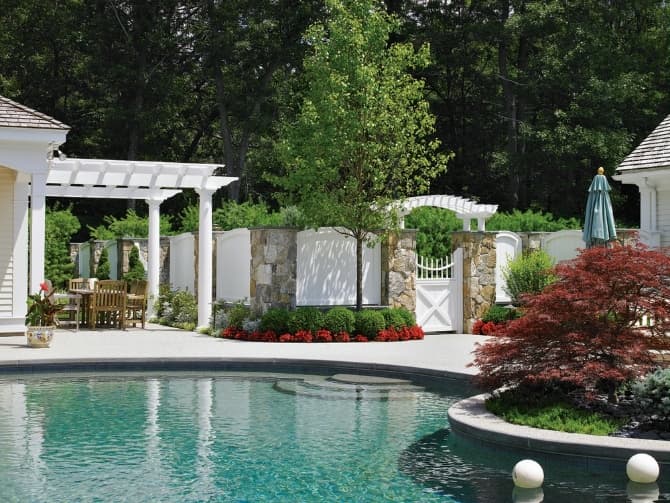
(439, 293)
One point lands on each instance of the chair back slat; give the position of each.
(110, 299)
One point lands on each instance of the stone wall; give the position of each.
(479, 280)
(399, 270)
(274, 255)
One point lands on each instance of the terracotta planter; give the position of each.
(39, 337)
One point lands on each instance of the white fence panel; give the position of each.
(439, 294)
(326, 270)
(508, 247)
(182, 262)
(563, 245)
(84, 257)
(233, 265)
(112, 253)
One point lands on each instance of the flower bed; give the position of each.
(386, 335)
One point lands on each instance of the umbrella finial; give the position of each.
(601, 170)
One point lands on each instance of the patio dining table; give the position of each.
(86, 296)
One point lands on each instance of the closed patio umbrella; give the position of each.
(599, 220)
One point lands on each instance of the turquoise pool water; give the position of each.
(212, 437)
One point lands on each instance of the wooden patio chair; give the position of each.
(67, 303)
(108, 304)
(136, 306)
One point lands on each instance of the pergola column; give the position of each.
(37, 229)
(153, 259)
(205, 257)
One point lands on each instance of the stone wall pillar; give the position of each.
(398, 257)
(479, 273)
(274, 255)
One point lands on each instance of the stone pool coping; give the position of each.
(470, 418)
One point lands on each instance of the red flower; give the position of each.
(303, 336)
(324, 336)
(361, 338)
(342, 337)
(285, 338)
(417, 332)
(44, 287)
(477, 327)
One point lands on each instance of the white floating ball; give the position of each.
(642, 468)
(528, 474)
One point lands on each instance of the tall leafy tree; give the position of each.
(61, 224)
(362, 139)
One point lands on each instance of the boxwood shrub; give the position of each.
(276, 319)
(305, 318)
(393, 318)
(339, 319)
(369, 322)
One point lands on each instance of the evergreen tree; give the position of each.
(135, 267)
(104, 269)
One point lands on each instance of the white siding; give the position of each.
(663, 216)
(6, 241)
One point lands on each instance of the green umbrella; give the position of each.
(599, 223)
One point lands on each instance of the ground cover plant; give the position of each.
(309, 324)
(176, 308)
(582, 334)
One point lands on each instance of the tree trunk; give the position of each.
(359, 273)
(509, 108)
(226, 133)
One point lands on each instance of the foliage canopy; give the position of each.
(363, 136)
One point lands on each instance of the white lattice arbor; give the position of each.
(153, 182)
(465, 209)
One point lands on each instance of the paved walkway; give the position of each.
(450, 353)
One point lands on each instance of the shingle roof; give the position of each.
(653, 152)
(13, 114)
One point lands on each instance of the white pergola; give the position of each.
(153, 182)
(465, 209)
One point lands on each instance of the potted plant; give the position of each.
(41, 317)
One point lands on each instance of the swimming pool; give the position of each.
(247, 437)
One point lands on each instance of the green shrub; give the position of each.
(131, 226)
(434, 226)
(103, 270)
(408, 316)
(369, 322)
(652, 394)
(499, 314)
(135, 267)
(237, 314)
(275, 319)
(530, 221)
(184, 308)
(305, 318)
(177, 308)
(339, 319)
(393, 318)
(529, 273)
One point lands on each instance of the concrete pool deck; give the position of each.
(438, 353)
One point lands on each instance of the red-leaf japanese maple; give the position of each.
(584, 330)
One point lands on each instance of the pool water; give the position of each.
(245, 437)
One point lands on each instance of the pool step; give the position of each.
(350, 387)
